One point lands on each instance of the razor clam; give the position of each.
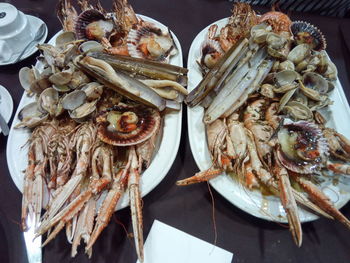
(234, 87)
(120, 82)
(30, 116)
(207, 84)
(147, 68)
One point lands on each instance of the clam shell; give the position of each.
(30, 116)
(286, 77)
(60, 78)
(299, 53)
(315, 81)
(48, 101)
(306, 138)
(83, 112)
(65, 37)
(304, 32)
(298, 111)
(73, 100)
(147, 124)
(90, 46)
(93, 90)
(26, 77)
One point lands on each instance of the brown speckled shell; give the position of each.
(318, 39)
(148, 124)
(313, 135)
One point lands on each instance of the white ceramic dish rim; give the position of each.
(253, 202)
(162, 160)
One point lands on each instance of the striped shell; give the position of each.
(115, 129)
(303, 147)
(92, 24)
(304, 32)
(211, 52)
(150, 42)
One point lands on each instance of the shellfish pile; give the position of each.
(264, 103)
(99, 97)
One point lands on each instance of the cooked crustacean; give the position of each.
(263, 115)
(95, 120)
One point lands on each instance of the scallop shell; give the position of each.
(211, 52)
(86, 18)
(309, 140)
(139, 37)
(148, 121)
(304, 32)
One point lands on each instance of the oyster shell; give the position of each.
(303, 147)
(127, 125)
(304, 32)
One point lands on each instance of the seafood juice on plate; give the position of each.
(262, 94)
(99, 125)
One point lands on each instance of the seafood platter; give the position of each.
(263, 96)
(99, 123)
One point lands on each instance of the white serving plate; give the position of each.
(16, 151)
(253, 202)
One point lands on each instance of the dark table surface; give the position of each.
(186, 208)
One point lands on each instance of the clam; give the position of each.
(267, 90)
(286, 77)
(79, 78)
(303, 148)
(83, 112)
(65, 38)
(26, 77)
(30, 116)
(90, 46)
(61, 78)
(286, 65)
(93, 90)
(285, 99)
(300, 97)
(259, 32)
(299, 53)
(315, 81)
(331, 72)
(40, 85)
(298, 111)
(61, 88)
(48, 101)
(275, 41)
(73, 100)
(127, 125)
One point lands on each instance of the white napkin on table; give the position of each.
(166, 244)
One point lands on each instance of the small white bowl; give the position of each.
(15, 31)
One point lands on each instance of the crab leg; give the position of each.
(200, 177)
(319, 198)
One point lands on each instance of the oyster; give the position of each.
(125, 125)
(303, 148)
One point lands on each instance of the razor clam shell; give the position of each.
(147, 68)
(234, 87)
(30, 116)
(120, 82)
(207, 84)
(73, 100)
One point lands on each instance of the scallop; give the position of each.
(93, 25)
(211, 53)
(127, 125)
(150, 42)
(302, 147)
(304, 32)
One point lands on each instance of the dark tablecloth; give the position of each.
(186, 208)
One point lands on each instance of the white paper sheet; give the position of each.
(166, 244)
